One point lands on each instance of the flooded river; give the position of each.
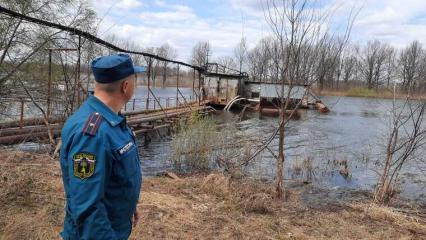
(338, 150)
(343, 149)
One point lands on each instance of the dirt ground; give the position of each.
(197, 207)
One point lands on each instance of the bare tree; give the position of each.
(23, 55)
(391, 66)
(328, 61)
(406, 136)
(410, 61)
(349, 65)
(166, 51)
(259, 60)
(373, 59)
(200, 54)
(298, 27)
(422, 78)
(228, 63)
(240, 53)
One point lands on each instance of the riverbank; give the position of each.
(368, 93)
(209, 206)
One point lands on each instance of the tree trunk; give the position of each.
(280, 160)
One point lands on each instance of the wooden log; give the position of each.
(61, 119)
(155, 118)
(153, 111)
(153, 129)
(31, 122)
(321, 107)
(26, 130)
(172, 175)
(11, 134)
(147, 126)
(158, 114)
(27, 137)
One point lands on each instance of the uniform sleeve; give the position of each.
(90, 166)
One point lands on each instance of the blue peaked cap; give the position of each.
(108, 69)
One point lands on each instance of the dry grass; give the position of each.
(362, 92)
(194, 207)
(31, 196)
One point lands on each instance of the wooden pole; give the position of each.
(78, 71)
(227, 88)
(193, 84)
(49, 84)
(88, 79)
(21, 120)
(148, 79)
(177, 87)
(200, 94)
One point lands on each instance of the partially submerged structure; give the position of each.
(236, 90)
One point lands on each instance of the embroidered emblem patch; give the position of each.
(84, 165)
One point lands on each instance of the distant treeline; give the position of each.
(374, 65)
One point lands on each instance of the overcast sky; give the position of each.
(182, 24)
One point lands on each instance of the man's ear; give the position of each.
(124, 86)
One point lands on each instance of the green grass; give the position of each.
(361, 92)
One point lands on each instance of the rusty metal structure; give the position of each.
(157, 113)
(212, 85)
(228, 87)
(222, 84)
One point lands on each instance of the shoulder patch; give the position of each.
(84, 165)
(92, 124)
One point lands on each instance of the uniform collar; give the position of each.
(111, 117)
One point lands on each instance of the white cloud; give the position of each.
(177, 7)
(182, 26)
(128, 4)
(167, 16)
(392, 21)
(177, 13)
(386, 16)
(101, 6)
(251, 8)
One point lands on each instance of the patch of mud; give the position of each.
(321, 198)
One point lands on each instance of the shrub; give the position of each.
(192, 145)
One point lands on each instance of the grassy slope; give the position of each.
(195, 207)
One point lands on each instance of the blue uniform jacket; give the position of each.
(101, 173)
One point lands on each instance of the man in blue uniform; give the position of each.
(99, 158)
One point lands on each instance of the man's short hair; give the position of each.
(112, 87)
